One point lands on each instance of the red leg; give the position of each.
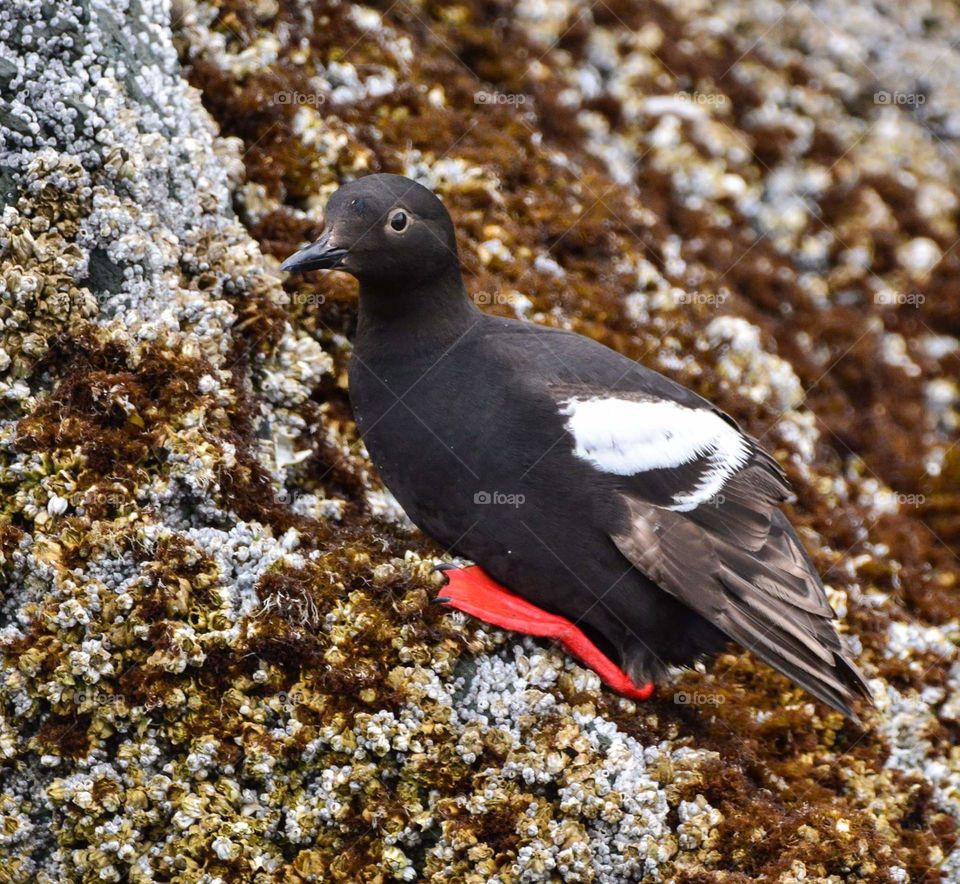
(474, 592)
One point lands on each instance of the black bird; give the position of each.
(636, 516)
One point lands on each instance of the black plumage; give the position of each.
(592, 486)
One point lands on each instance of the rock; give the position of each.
(219, 657)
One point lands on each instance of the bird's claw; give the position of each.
(474, 592)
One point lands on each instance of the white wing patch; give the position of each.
(630, 436)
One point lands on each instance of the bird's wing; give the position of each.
(702, 521)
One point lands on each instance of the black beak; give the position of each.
(320, 255)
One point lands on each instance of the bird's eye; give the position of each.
(398, 220)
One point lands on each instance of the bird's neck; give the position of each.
(428, 314)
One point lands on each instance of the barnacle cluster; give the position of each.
(219, 659)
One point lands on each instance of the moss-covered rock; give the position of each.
(219, 657)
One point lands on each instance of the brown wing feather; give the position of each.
(738, 563)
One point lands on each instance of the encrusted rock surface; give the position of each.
(219, 662)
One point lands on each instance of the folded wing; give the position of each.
(702, 521)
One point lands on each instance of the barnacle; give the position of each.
(220, 658)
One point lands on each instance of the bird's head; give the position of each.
(382, 229)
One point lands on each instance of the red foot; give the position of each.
(474, 592)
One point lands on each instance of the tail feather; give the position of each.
(767, 597)
(835, 681)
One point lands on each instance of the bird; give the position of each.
(603, 504)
